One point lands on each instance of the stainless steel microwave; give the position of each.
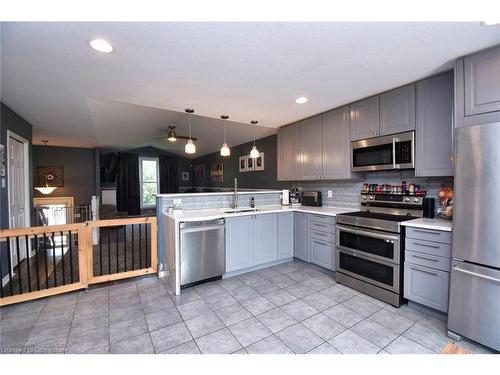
(395, 151)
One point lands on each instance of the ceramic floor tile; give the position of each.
(323, 326)
(232, 314)
(244, 293)
(336, 294)
(186, 296)
(258, 305)
(265, 286)
(319, 301)
(406, 312)
(219, 342)
(280, 297)
(124, 329)
(275, 320)
(319, 283)
(324, 348)
(431, 338)
(374, 332)
(403, 345)
(299, 290)
(361, 306)
(169, 337)
(299, 338)
(133, 345)
(193, 309)
(231, 283)
(249, 331)
(282, 281)
(250, 278)
(161, 319)
(299, 310)
(204, 324)
(220, 300)
(269, 345)
(209, 289)
(344, 315)
(390, 320)
(186, 348)
(84, 341)
(349, 342)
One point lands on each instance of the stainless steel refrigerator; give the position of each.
(474, 309)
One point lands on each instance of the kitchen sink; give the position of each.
(238, 210)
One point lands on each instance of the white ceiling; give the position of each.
(77, 97)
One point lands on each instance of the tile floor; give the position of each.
(289, 308)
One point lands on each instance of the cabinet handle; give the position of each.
(456, 268)
(320, 234)
(427, 231)
(425, 271)
(424, 257)
(320, 225)
(321, 243)
(426, 245)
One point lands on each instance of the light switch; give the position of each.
(3, 182)
(330, 194)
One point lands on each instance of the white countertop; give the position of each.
(426, 223)
(199, 194)
(219, 213)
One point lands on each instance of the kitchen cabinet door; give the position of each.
(364, 119)
(434, 133)
(266, 238)
(311, 148)
(426, 286)
(336, 150)
(239, 243)
(294, 152)
(323, 253)
(281, 144)
(482, 82)
(285, 235)
(397, 110)
(301, 250)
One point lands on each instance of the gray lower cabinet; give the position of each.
(336, 151)
(323, 253)
(397, 110)
(301, 250)
(265, 238)
(285, 235)
(239, 243)
(311, 148)
(434, 131)
(427, 286)
(365, 119)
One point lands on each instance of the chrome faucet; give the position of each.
(235, 195)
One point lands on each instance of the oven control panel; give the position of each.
(396, 199)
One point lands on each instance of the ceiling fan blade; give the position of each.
(180, 137)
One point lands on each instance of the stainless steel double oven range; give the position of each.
(369, 245)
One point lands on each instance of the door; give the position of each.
(239, 243)
(311, 148)
(301, 237)
(266, 239)
(285, 235)
(476, 213)
(336, 150)
(365, 119)
(397, 110)
(482, 82)
(18, 200)
(434, 146)
(474, 310)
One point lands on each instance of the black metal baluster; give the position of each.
(28, 263)
(117, 250)
(46, 261)
(9, 261)
(70, 237)
(133, 261)
(109, 250)
(19, 276)
(54, 259)
(62, 260)
(100, 250)
(146, 240)
(37, 267)
(140, 246)
(125, 248)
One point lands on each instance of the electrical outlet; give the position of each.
(330, 194)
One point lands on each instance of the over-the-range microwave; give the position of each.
(395, 151)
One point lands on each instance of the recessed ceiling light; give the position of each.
(301, 100)
(101, 45)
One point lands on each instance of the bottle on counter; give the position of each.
(411, 188)
(252, 202)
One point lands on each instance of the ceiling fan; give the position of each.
(172, 135)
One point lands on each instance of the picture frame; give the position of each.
(217, 172)
(185, 176)
(259, 162)
(50, 175)
(243, 163)
(250, 163)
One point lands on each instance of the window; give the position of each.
(149, 178)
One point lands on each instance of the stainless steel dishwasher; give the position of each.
(202, 250)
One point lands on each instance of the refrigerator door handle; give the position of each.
(456, 268)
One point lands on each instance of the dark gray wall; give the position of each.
(79, 171)
(251, 180)
(9, 120)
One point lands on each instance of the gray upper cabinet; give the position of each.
(397, 110)
(283, 168)
(482, 82)
(285, 235)
(311, 148)
(365, 119)
(434, 135)
(265, 240)
(336, 151)
(294, 153)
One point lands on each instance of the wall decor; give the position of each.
(259, 162)
(185, 176)
(2, 161)
(243, 163)
(250, 163)
(217, 172)
(51, 176)
(199, 172)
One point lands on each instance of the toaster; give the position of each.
(312, 198)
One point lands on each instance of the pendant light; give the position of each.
(225, 151)
(46, 189)
(254, 153)
(172, 135)
(190, 147)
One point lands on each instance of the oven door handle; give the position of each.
(363, 255)
(368, 233)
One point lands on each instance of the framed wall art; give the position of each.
(250, 163)
(259, 162)
(243, 164)
(51, 176)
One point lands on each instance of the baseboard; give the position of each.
(429, 311)
(255, 268)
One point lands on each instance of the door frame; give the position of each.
(27, 200)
